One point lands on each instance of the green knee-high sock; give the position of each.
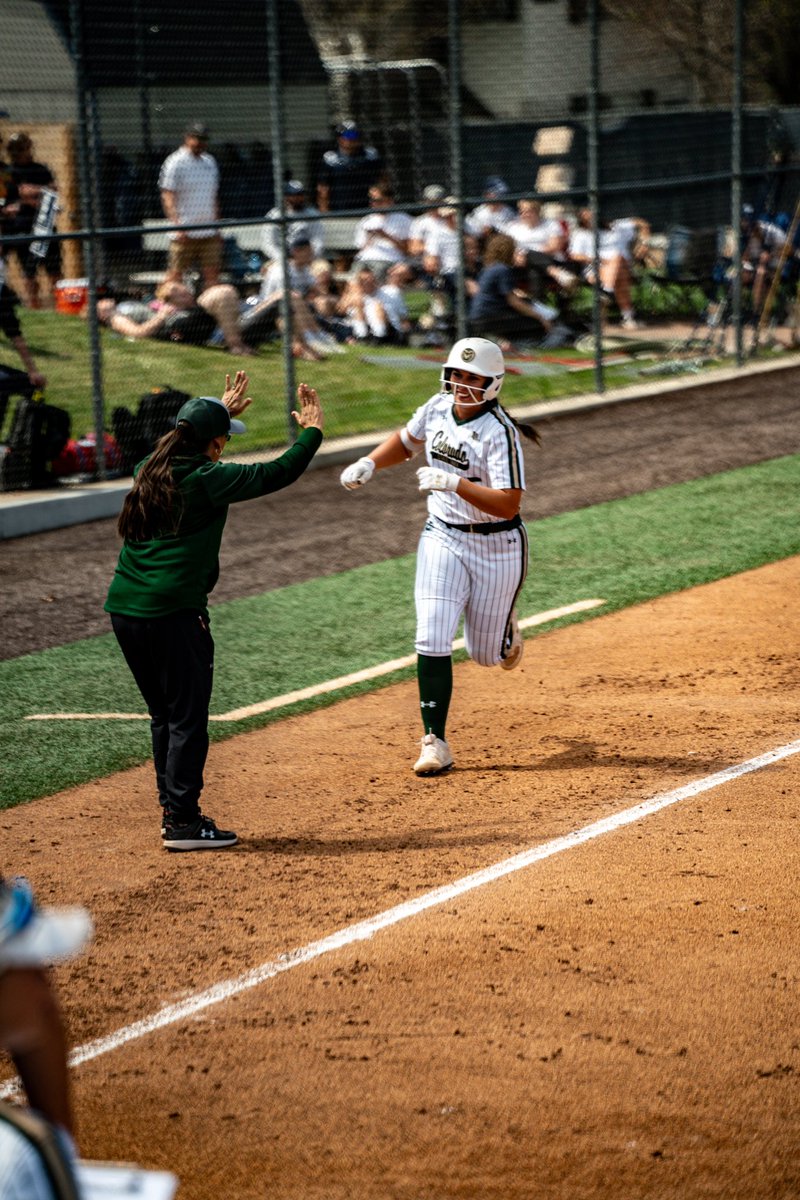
(435, 678)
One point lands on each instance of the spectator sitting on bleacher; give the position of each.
(762, 243)
(423, 225)
(325, 300)
(440, 260)
(304, 223)
(381, 238)
(179, 317)
(376, 314)
(325, 297)
(301, 277)
(494, 214)
(391, 294)
(498, 310)
(539, 242)
(261, 319)
(615, 243)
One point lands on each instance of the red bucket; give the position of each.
(71, 296)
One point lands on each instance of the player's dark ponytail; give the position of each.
(153, 506)
(526, 430)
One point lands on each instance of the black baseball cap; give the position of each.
(209, 418)
(294, 187)
(197, 129)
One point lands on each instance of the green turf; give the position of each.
(625, 552)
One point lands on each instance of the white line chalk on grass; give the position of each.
(319, 689)
(363, 930)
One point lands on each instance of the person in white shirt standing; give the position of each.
(189, 184)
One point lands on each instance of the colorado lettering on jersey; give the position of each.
(454, 456)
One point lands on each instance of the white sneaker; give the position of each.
(435, 756)
(516, 649)
(630, 323)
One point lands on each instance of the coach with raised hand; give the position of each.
(172, 522)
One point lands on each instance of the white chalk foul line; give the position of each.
(319, 689)
(363, 930)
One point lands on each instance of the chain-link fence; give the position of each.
(560, 176)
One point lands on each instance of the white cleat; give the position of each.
(516, 649)
(435, 756)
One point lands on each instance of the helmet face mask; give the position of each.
(480, 357)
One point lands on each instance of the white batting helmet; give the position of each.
(480, 357)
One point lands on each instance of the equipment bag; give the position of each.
(137, 433)
(39, 432)
(13, 382)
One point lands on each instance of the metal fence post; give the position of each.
(278, 172)
(736, 179)
(456, 171)
(88, 174)
(594, 187)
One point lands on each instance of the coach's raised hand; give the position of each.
(309, 415)
(234, 397)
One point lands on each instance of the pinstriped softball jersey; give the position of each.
(477, 574)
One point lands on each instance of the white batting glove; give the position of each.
(357, 474)
(432, 479)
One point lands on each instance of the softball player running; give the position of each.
(473, 553)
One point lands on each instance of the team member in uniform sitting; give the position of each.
(473, 553)
(172, 521)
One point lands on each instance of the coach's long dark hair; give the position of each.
(154, 505)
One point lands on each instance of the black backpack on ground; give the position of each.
(137, 434)
(13, 382)
(39, 432)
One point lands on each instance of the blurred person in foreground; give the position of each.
(36, 1145)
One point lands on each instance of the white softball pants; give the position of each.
(477, 575)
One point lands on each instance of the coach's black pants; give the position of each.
(172, 661)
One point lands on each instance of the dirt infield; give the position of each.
(617, 1020)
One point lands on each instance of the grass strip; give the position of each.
(626, 551)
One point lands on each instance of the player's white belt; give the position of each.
(487, 526)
